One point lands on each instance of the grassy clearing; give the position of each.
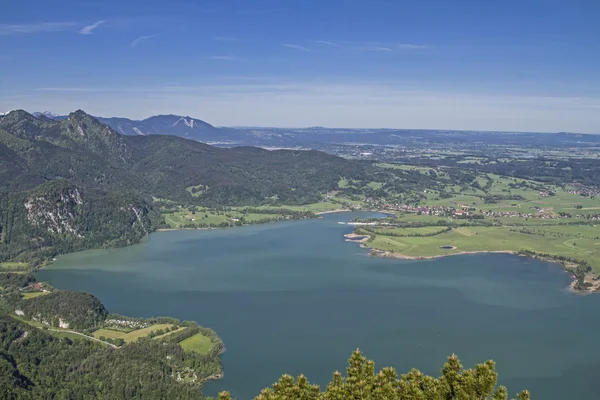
(197, 190)
(465, 231)
(32, 295)
(198, 343)
(129, 336)
(343, 183)
(69, 335)
(375, 185)
(14, 266)
(29, 322)
(168, 333)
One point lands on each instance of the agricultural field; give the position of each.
(198, 343)
(205, 218)
(426, 230)
(577, 242)
(129, 336)
(313, 207)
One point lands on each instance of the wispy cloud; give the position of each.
(222, 58)
(295, 46)
(89, 30)
(408, 46)
(387, 49)
(42, 27)
(371, 46)
(139, 39)
(327, 42)
(225, 39)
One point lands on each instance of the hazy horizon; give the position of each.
(429, 65)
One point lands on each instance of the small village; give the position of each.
(582, 190)
(461, 211)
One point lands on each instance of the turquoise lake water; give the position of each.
(294, 297)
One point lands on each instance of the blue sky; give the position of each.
(523, 65)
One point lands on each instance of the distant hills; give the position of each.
(174, 125)
(322, 138)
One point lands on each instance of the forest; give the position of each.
(77, 184)
(36, 365)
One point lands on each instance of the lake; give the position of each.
(294, 297)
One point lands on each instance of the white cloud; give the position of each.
(89, 30)
(139, 39)
(222, 58)
(42, 27)
(295, 46)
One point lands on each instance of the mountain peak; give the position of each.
(18, 115)
(79, 114)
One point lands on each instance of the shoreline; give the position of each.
(390, 254)
(200, 228)
(337, 210)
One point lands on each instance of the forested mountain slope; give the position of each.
(71, 184)
(86, 152)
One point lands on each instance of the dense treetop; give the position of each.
(362, 383)
(76, 310)
(35, 365)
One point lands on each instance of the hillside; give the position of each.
(86, 152)
(76, 183)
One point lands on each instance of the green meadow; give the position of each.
(198, 343)
(577, 242)
(129, 336)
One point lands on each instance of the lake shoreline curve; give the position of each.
(595, 288)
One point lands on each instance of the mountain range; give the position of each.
(328, 139)
(74, 183)
(175, 125)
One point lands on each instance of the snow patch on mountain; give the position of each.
(191, 122)
(138, 131)
(47, 114)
